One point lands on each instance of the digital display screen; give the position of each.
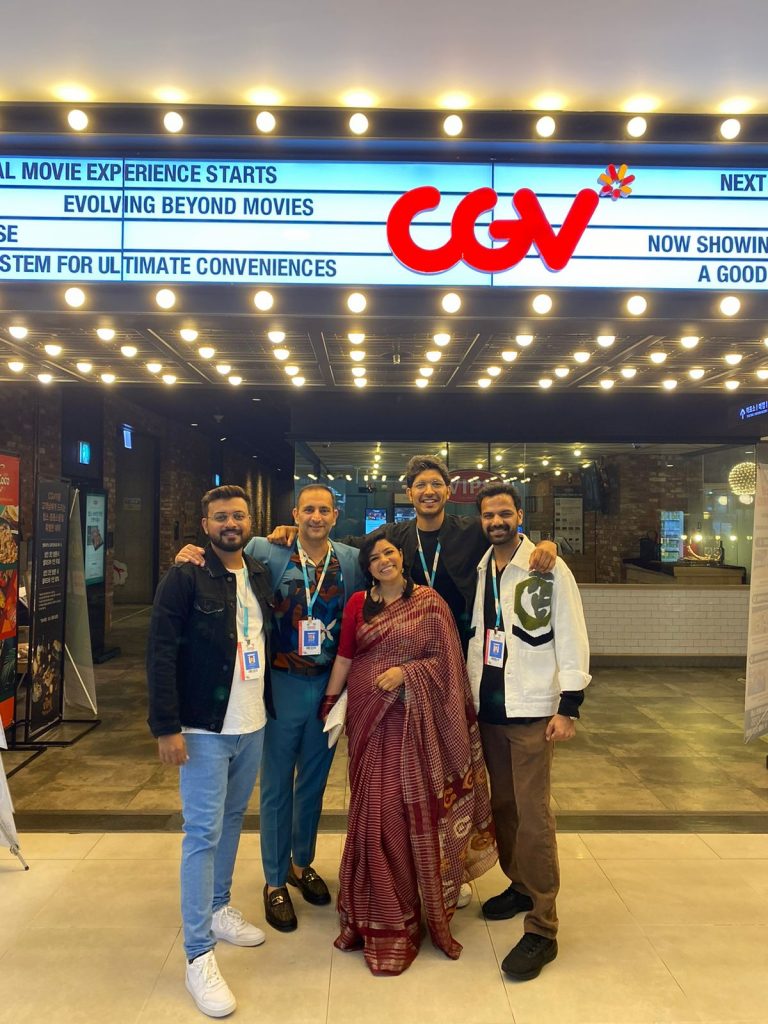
(374, 518)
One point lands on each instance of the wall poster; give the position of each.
(95, 533)
(9, 581)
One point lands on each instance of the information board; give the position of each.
(95, 533)
(9, 582)
(325, 222)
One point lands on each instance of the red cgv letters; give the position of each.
(531, 228)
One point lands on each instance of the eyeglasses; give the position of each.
(436, 485)
(223, 517)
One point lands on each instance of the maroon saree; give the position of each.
(419, 819)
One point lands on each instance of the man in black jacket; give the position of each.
(209, 688)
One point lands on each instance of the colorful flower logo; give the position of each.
(615, 182)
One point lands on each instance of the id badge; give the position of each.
(494, 648)
(249, 660)
(310, 636)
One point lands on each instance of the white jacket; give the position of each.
(546, 636)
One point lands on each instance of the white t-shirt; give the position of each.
(245, 711)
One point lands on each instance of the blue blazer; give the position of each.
(276, 557)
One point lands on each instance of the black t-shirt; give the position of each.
(444, 584)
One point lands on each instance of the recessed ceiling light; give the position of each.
(636, 305)
(561, 372)
(291, 370)
(670, 384)
(235, 381)
(206, 351)
(545, 462)
(74, 297)
(105, 333)
(730, 305)
(658, 357)
(577, 452)
(52, 350)
(453, 125)
(696, 373)
(281, 353)
(169, 378)
(188, 334)
(441, 339)
(263, 301)
(689, 341)
(509, 355)
(18, 332)
(421, 382)
(358, 371)
(108, 378)
(628, 372)
(733, 358)
(276, 336)
(154, 367)
(581, 356)
(434, 355)
(731, 385)
(360, 382)
(357, 355)
(358, 124)
(298, 382)
(223, 368)
(451, 302)
(16, 365)
(484, 382)
(129, 351)
(493, 371)
(546, 126)
(607, 383)
(761, 374)
(84, 366)
(173, 122)
(542, 304)
(426, 371)
(356, 337)
(524, 340)
(165, 298)
(46, 378)
(545, 382)
(605, 340)
(265, 121)
(356, 302)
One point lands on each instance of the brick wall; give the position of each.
(29, 413)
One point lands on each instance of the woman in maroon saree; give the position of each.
(419, 820)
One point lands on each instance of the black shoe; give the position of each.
(310, 884)
(528, 957)
(278, 909)
(506, 905)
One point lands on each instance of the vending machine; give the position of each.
(671, 535)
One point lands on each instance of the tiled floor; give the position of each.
(652, 741)
(654, 928)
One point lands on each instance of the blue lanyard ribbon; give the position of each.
(496, 601)
(429, 578)
(313, 597)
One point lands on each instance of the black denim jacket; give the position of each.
(192, 646)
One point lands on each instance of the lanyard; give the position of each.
(429, 578)
(303, 556)
(496, 600)
(244, 606)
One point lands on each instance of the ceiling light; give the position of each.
(291, 370)
(696, 373)
(358, 371)
(636, 305)
(426, 371)
(206, 351)
(263, 301)
(154, 367)
(358, 124)
(658, 357)
(356, 337)
(561, 372)
(74, 297)
(173, 122)
(577, 452)
(108, 378)
(357, 355)
(545, 382)
(509, 356)
(169, 378)
(129, 351)
(188, 334)
(276, 336)
(360, 382)
(16, 365)
(689, 341)
(524, 340)
(545, 127)
(281, 353)
(377, 457)
(669, 384)
(298, 382)
(605, 340)
(422, 382)
(607, 383)
(730, 128)
(451, 302)
(356, 302)
(165, 298)
(441, 339)
(640, 103)
(558, 472)
(434, 355)
(52, 350)
(484, 382)
(731, 385)
(542, 304)
(84, 366)
(77, 120)
(223, 369)
(265, 121)
(761, 374)
(730, 305)
(628, 372)
(105, 333)
(493, 371)
(235, 381)
(733, 358)
(549, 101)
(453, 125)
(581, 356)
(637, 127)
(545, 462)
(71, 92)
(45, 378)
(18, 332)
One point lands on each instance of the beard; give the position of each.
(501, 535)
(231, 540)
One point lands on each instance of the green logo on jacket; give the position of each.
(533, 601)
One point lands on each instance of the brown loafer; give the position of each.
(278, 909)
(310, 884)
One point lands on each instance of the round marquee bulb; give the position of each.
(696, 373)
(356, 337)
(493, 371)
(105, 333)
(356, 302)
(581, 356)
(637, 127)
(276, 337)
(52, 350)
(426, 371)
(360, 382)
(45, 378)
(358, 124)
(223, 369)
(108, 378)
(188, 334)
(441, 339)
(358, 371)
(265, 121)
(669, 385)
(730, 128)
(169, 378)
(730, 305)
(235, 381)
(206, 351)
(731, 385)
(154, 367)
(546, 126)
(542, 304)
(78, 120)
(636, 305)
(561, 372)
(165, 298)
(173, 122)
(451, 302)
(357, 355)
(628, 372)
(298, 382)
(607, 383)
(453, 125)
(689, 341)
(18, 332)
(263, 300)
(74, 297)
(16, 365)
(129, 351)
(434, 355)
(422, 382)
(281, 353)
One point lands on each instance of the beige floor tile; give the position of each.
(610, 975)
(686, 892)
(607, 798)
(722, 970)
(646, 846)
(24, 893)
(755, 873)
(571, 846)
(737, 847)
(137, 846)
(82, 974)
(57, 845)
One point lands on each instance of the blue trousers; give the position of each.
(296, 765)
(216, 784)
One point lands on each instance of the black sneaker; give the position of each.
(506, 905)
(528, 957)
(310, 885)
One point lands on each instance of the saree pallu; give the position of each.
(419, 820)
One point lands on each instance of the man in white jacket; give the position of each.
(528, 664)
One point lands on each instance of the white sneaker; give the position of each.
(207, 987)
(465, 896)
(230, 925)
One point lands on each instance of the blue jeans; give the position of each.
(296, 765)
(215, 784)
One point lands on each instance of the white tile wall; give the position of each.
(674, 620)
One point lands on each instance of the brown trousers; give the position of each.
(519, 761)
